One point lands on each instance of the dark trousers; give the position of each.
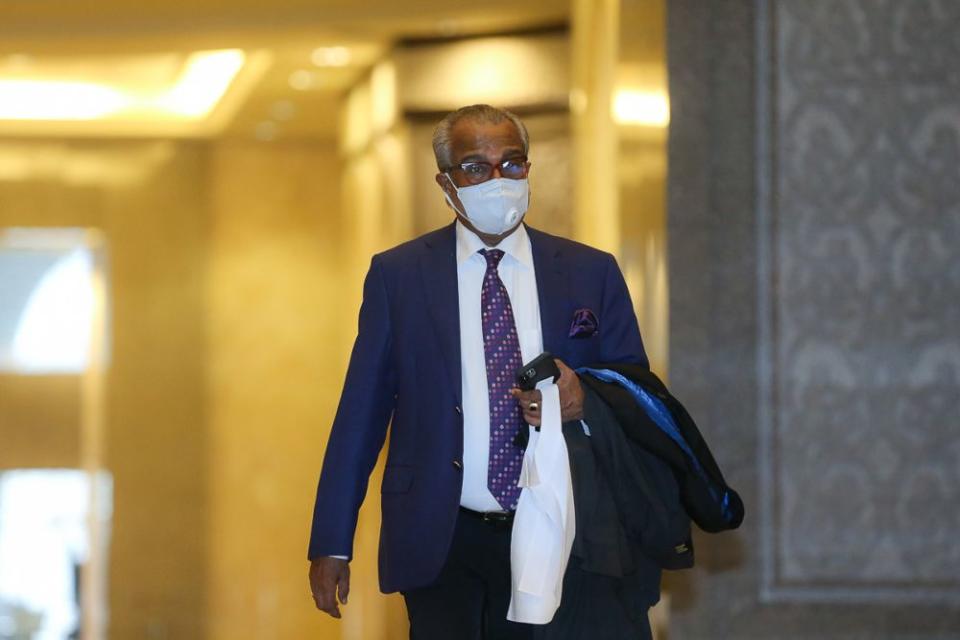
(597, 607)
(470, 597)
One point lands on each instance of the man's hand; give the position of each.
(571, 397)
(327, 576)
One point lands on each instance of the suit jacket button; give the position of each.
(458, 409)
(458, 465)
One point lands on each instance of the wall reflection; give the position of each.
(47, 546)
(55, 496)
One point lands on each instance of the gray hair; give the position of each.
(478, 112)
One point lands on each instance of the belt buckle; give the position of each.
(497, 517)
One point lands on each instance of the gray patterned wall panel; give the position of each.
(814, 221)
(860, 300)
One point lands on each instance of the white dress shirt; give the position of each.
(544, 527)
(518, 276)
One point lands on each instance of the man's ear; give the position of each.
(444, 181)
(447, 186)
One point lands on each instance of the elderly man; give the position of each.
(446, 320)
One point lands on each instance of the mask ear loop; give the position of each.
(447, 195)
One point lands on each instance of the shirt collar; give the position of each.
(516, 245)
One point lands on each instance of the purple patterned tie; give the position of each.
(502, 350)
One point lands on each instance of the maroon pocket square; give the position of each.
(584, 324)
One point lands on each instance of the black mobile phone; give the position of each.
(540, 368)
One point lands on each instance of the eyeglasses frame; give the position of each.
(522, 160)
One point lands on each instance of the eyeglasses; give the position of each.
(477, 172)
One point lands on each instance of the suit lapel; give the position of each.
(552, 291)
(438, 270)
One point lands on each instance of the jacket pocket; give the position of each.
(397, 479)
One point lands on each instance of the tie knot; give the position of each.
(493, 256)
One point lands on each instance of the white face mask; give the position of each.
(494, 206)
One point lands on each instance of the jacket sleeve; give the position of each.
(360, 426)
(619, 331)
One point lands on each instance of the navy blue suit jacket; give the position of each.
(406, 366)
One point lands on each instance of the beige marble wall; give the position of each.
(39, 421)
(641, 170)
(283, 293)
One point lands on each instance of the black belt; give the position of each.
(492, 517)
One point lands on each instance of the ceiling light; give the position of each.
(303, 80)
(644, 108)
(330, 56)
(205, 78)
(448, 28)
(198, 89)
(283, 110)
(19, 61)
(265, 131)
(51, 100)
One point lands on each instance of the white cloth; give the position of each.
(544, 525)
(518, 276)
